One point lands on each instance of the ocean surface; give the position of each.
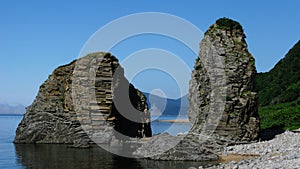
(172, 128)
(43, 156)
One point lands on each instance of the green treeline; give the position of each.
(279, 92)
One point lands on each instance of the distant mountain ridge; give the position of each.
(167, 106)
(10, 109)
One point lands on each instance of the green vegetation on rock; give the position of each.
(228, 24)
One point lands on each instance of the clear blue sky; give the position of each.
(37, 36)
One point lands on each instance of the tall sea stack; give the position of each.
(222, 85)
(223, 104)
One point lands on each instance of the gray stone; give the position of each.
(223, 106)
(222, 99)
(63, 112)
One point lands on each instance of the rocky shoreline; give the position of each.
(280, 152)
(90, 101)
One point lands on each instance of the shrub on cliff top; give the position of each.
(228, 24)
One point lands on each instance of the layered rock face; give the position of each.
(223, 106)
(72, 108)
(222, 101)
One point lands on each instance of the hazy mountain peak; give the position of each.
(11, 109)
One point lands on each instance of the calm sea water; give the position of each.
(172, 128)
(43, 156)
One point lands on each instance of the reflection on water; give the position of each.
(60, 156)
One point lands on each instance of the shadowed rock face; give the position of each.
(53, 117)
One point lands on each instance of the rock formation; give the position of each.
(65, 112)
(222, 85)
(223, 106)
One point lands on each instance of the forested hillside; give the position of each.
(279, 92)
